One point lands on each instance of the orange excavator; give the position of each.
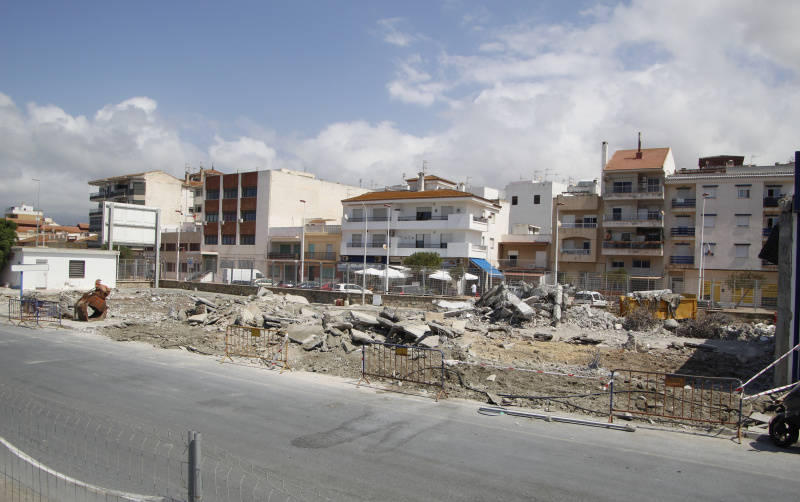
(96, 300)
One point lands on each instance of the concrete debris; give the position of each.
(362, 319)
(360, 337)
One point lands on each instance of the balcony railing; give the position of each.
(578, 225)
(681, 260)
(511, 263)
(425, 217)
(650, 216)
(480, 219)
(108, 194)
(682, 231)
(632, 244)
(684, 202)
(635, 189)
(284, 256)
(320, 255)
(422, 245)
(771, 201)
(765, 232)
(576, 251)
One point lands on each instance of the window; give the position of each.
(229, 216)
(536, 199)
(356, 240)
(514, 200)
(424, 213)
(616, 214)
(709, 220)
(77, 269)
(229, 240)
(249, 191)
(247, 239)
(641, 263)
(184, 267)
(378, 240)
(212, 217)
(249, 215)
(743, 191)
(211, 240)
(623, 187)
(617, 264)
(742, 250)
(194, 246)
(708, 248)
(170, 266)
(357, 214)
(587, 244)
(742, 220)
(711, 190)
(212, 194)
(653, 185)
(230, 193)
(169, 246)
(198, 209)
(590, 219)
(227, 264)
(625, 236)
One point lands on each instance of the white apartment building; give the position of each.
(174, 196)
(436, 215)
(734, 207)
(253, 220)
(531, 203)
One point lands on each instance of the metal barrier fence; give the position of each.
(50, 451)
(32, 310)
(403, 363)
(267, 344)
(135, 270)
(711, 400)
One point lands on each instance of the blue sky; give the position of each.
(367, 90)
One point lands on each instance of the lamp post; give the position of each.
(178, 248)
(700, 285)
(38, 191)
(555, 261)
(388, 242)
(364, 268)
(303, 244)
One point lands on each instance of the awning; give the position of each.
(486, 267)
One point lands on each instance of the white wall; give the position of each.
(525, 211)
(98, 265)
(167, 193)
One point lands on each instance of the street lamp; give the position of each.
(388, 242)
(555, 262)
(700, 285)
(178, 248)
(38, 190)
(303, 244)
(364, 268)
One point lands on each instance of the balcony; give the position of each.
(576, 251)
(681, 260)
(284, 256)
(649, 219)
(421, 245)
(509, 263)
(682, 231)
(641, 192)
(645, 248)
(684, 203)
(578, 225)
(771, 201)
(320, 255)
(422, 217)
(110, 194)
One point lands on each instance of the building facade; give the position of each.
(577, 215)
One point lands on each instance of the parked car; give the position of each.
(407, 289)
(328, 286)
(593, 298)
(350, 288)
(285, 284)
(263, 282)
(308, 285)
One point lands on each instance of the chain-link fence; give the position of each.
(733, 293)
(135, 270)
(50, 451)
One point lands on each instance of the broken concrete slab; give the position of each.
(197, 319)
(431, 341)
(302, 333)
(434, 316)
(296, 299)
(362, 319)
(347, 346)
(313, 343)
(360, 337)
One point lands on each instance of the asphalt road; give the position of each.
(366, 444)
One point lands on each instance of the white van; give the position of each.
(593, 298)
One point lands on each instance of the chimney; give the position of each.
(604, 155)
(421, 182)
(462, 187)
(639, 149)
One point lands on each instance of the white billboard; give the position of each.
(130, 224)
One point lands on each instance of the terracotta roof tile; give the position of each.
(390, 195)
(625, 160)
(431, 177)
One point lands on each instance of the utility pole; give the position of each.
(37, 210)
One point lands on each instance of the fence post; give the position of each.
(194, 478)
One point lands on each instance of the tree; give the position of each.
(744, 281)
(428, 260)
(8, 237)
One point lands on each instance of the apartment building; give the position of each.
(254, 218)
(733, 207)
(314, 250)
(433, 215)
(633, 212)
(174, 196)
(577, 213)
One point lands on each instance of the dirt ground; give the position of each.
(508, 365)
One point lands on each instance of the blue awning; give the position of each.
(486, 267)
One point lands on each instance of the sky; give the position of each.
(362, 92)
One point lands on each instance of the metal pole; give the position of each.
(303, 245)
(702, 237)
(38, 191)
(555, 261)
(194, 464)
(110, 225)
(178, 251)
(157, 268)
(364, 269)
(388, 241)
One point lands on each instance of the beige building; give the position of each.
(579, 252)
(735, 216)
(633, 213)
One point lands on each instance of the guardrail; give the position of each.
(682, 231)
(33, 310)
(257, 343)
(403, 363)
(713, 400)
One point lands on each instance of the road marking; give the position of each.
(45, 361)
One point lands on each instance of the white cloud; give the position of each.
(243, 154)
(391, 33)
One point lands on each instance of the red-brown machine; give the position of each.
(96, 300)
